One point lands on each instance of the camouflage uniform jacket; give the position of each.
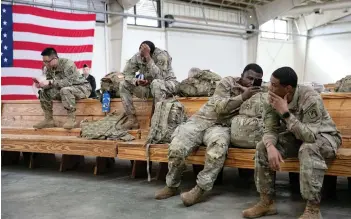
(65, 74)
(223, 105)
(308, 118)
(159, 67)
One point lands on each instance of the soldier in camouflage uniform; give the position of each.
(63, 82)
(155, 67)
(310, 134)
(210, 126)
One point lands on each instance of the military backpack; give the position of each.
(111, 83)
(168, 115)
(200, 84)
(247, 127)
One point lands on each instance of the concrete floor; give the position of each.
(46, 193)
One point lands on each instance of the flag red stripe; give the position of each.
(18, 97)
(26, 81)
(31, 28)
(20, 63)
(21, 9)
(19, 45)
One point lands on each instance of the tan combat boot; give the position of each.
(193, 196)
(131, 123)
(265, 206)
(71, 121)
(312, 211)
(48, 122)
(166, 192)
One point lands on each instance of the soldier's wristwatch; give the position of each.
(286, 115)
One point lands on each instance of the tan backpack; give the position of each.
(111, 83)
(201, 83)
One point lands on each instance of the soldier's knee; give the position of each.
(65, 91)
(217, 152)
(307, 150)
(176, 151)
(123, 85)
(44, 95)
(156, 84)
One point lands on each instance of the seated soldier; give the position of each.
(310, 135)
(155, 75)
(63, 82)
(210, 126)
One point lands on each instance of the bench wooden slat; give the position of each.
(53, 131)
(240, 158)
(28, 112)
(70, 145)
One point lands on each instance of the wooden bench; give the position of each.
(23, 114)
(19, 116)
(338, 105)
(41, 145)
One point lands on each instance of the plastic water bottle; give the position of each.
(140, 76)
(106, 102)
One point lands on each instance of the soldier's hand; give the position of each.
(278, 103)
(274, 158)
(249, 92)
(143, 82)
(44, 83)
(145, 50)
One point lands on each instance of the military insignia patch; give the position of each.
(160, 62)
(312, 113)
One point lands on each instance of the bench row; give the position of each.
(67, 143)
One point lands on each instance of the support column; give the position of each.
(116, 28)
(252, 40)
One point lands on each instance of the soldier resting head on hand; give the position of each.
(310, 134)
(210, 126)
(156, 77)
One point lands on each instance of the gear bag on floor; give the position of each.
(200, 84)
(106, 128)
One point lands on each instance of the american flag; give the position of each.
(26, 31)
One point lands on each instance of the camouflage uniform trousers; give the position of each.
(187, 138)
(68, 96)
(312, 164)
(159, 90)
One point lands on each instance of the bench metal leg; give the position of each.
(103, 164)
(10, 157)
(70, 162)
(294, 179)
(162, 171)
(329, 187)
(246, 173)
(26, 158)
(41, 159)
(139, 169)
(349, 179)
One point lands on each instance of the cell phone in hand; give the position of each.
(257, 82)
